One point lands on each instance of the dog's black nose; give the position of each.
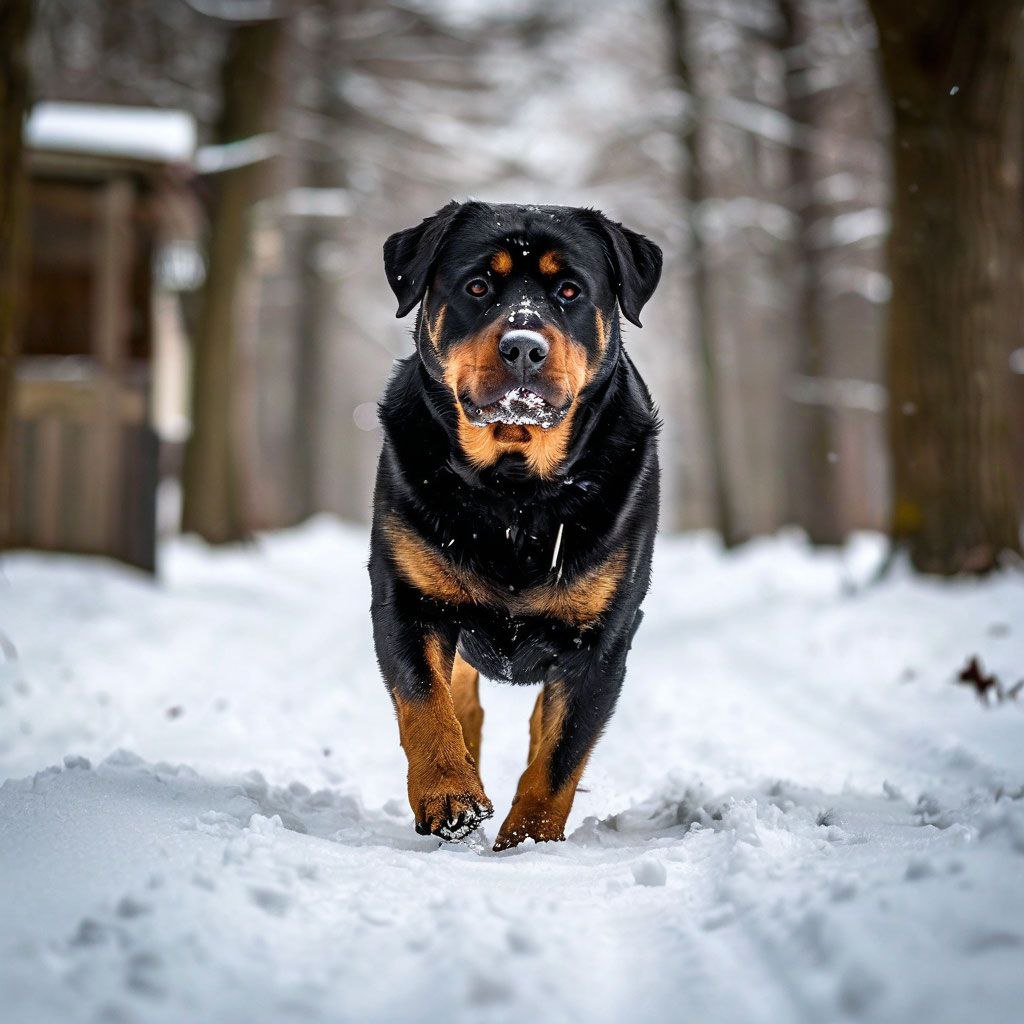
(524, 351)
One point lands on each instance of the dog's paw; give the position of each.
(452, 817)
(529, 820)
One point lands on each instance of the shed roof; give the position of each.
(131, 133)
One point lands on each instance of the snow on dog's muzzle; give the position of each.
(519, 407)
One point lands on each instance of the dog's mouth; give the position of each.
(518, 407)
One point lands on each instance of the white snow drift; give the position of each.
(796, 814)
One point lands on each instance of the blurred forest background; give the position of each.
(195, 324)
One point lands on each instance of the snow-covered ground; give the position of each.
(796, 814)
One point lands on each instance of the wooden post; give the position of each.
(102, 511)
(15, 19)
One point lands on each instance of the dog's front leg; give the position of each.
(564, 727)
(445, 791)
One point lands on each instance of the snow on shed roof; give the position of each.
(134, 133)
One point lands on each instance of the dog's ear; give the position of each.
(409, 256)
(636, 263)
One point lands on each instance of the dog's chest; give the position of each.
(522, 553)
(537, 618)
(517, 545)
(515, 650)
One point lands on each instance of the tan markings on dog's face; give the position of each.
(543, 450)
(511, 433)
(550, 263)
(547, 448)
(474, 367)
(501, 262)
(602, 336)
(434, 329)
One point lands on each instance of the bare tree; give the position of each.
(955, 82)
(325, 174)
(213, 487)
(812, 496)
(695, 190)
(15, 18)
(394, 108)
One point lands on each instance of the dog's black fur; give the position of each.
(499, 523)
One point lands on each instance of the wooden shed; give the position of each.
(86, 453)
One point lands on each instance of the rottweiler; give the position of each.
(516, 498)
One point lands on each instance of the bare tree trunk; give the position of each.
(695, 190)
(956, 254)
(317, 442)
(213, 494)
(15, 19)
(810, 474)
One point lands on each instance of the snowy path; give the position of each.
(795, 816)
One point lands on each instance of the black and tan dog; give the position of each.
(516, 500)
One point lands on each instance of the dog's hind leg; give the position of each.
(563, 730)
(541, 806)
(536, 727)
(566, 722)
(468, 709)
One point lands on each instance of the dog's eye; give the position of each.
(478, 288)
(567, 291)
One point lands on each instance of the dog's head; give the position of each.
(519, 316)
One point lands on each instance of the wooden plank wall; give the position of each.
(58, 505)
(86, 458)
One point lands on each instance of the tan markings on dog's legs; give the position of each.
(468, 709)
(537, 812)
(444, 782)
(536, 721)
